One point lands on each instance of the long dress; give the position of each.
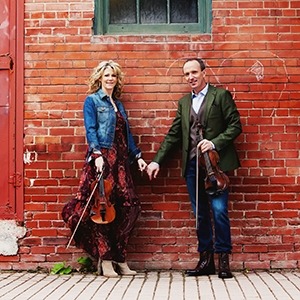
(106, 241)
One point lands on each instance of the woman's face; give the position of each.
(108, 80)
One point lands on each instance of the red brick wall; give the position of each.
(253, 51)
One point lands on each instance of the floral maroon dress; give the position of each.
(106, 241)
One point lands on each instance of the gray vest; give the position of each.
(195, 121)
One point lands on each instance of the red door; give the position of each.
(11, 109)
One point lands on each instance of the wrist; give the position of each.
(138, 156)
(96, 151)
(96, 154)
(155, 164)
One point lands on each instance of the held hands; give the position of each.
(152, 170)
(142, 164)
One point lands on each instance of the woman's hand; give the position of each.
(142, 164)
(99, 163)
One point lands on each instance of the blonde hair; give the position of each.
(94, 81)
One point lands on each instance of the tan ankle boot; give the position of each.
(107, 269)
(125, 270)
(99, 266)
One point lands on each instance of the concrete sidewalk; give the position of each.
(170, 285)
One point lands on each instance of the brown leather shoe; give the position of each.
(224, 269)
(205, 266)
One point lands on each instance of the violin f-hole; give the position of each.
(216, 182)
(102, 212)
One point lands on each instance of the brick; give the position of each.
(58, 60)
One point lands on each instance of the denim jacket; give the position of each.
(100, 123)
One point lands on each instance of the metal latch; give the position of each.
(6, 62)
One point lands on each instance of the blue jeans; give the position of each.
(219, 207)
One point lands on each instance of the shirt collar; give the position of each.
(102, 94)
(202, 92)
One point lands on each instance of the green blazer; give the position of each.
(221, 126)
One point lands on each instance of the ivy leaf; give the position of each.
(66, 271)
(60, 268)
(57, 267)
(86, 263)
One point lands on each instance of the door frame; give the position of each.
(19, 109)
(16, 110)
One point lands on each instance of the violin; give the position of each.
(216, 181)
(103, 211)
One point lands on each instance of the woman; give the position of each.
(110, 152)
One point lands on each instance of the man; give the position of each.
(214, 111)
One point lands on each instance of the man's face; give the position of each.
(194, 76)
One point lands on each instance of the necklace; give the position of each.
(113, 104)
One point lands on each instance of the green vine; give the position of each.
(61, 269)
(86, 265)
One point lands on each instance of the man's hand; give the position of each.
(152, 170)
(205, 145)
